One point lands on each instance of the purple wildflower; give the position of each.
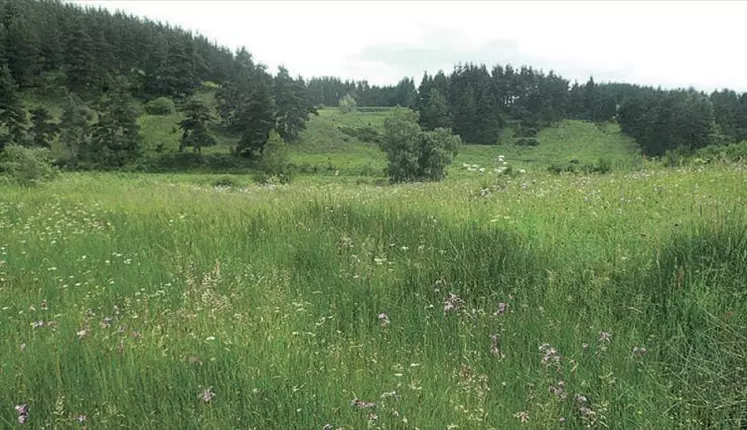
(23, 413)
(207, 395)
(559, 390)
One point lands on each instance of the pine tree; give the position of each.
(293, 106)
(255, 116)
(177, 76)
(115, 138)
(12, 114)
(436, 112)
(43, 129)
(22, 49)
(195, 126)
(80, 66)
(75, 131)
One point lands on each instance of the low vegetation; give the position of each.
(604, 301)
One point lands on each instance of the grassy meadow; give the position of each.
(486, 301)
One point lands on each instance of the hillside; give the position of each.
(328, 149)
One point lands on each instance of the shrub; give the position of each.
(26, 166)
(526, 141)
(161, 106)
(414, 154)
(273, 164)
(347, 104)
(225, 182)
(364, 134)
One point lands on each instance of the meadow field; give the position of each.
(486, 301)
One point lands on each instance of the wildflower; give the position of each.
(390, 394)
(383, 319)
(522, 416)
(81, 418)
(207, 395)
(580, 398)
(44, 305)
(562, 420)
(502, 307)
(23, 413)
(82, 334)
(551, 355)
(604, 336)
(373, 417)
(585, 346)
(37, 324)
(23, 347)
(495, 345)
(362, 404)
(639, 351)
(106, 322)
(452, 303)
(121, 329)
(559, 390)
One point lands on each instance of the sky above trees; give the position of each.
(673, 44)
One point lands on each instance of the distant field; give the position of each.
(324, 149)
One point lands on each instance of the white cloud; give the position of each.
(666, 43)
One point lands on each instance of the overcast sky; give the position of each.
(670, 43)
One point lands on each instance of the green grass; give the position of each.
(160, 286)
(324, 146)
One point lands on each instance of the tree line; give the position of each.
(100, 63)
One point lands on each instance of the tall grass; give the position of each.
(541, 301)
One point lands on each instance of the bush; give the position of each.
(225, 182)
(347, 104)
(26, 166)
(526, 141)
(161, 106)
(364, 134)
(414, 154)
(273, 164)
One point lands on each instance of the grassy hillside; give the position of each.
(323, 145)
(150, 301)
(325, 148)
